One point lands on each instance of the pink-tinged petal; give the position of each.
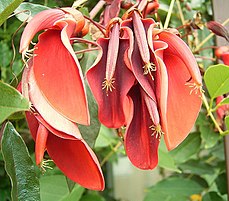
(177, 47)
(111, 11)
(59, 79)
(109, 101)
(50, 115)
(162, 92)
(141, 146)
(41, 139)
(183, 106)
(43, 20)
(77, 161)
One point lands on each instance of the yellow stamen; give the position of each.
(157, 131)
(108, 85)
(194, 87)
(45, 165)
(148, 69)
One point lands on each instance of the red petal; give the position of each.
(43, 20)
(77, 161)
(41, 139)
(59, 77)
(177, 47)
(108, 102)
(182, 107)
(225, 58)
(141, 146)
(50, 116)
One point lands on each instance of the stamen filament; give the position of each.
(157, 131)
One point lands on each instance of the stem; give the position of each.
(114, 150)
(86, 50)
(209, 37)
(78, 3)
(96, 9)
(211, 115)
(169, 14)
(180, 12)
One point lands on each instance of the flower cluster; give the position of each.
(145, 79)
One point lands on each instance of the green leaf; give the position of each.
(91, 132)
(208, 135)
(225, 101)
(212, 196)
(197, 167)
(55, 187)
(173, 189)
(221, 183)
(226, 119)
(31, 10)
(105, 138)
(11, 101)
(187, 148)
(7, 7)
(75, 194)
(217, 80)
(92, 196)
(167, 162)
(19, 166)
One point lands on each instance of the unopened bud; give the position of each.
(218, 29)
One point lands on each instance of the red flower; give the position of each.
(56, 68)
(110, 79)
(60, 136)
(160, 96)
(53, 82)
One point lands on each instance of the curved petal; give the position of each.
(109, 101)
(183, 106)
(135, 56)
(141, 146)
(51, 116)
(77, 161)
(177, 47)
(43, 20)
(74, 157)
(58, 77)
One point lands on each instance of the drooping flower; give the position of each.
(167, 72)
(52, 81)
(56, 68)
(60, 137)
(143, 130)
(110, 79)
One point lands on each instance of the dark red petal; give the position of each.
(182, 107)
(111, 104)
(59, 78)
(141, 146)
(77, 161)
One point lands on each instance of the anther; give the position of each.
(148, 69)
(108, 85)
(157, 131)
